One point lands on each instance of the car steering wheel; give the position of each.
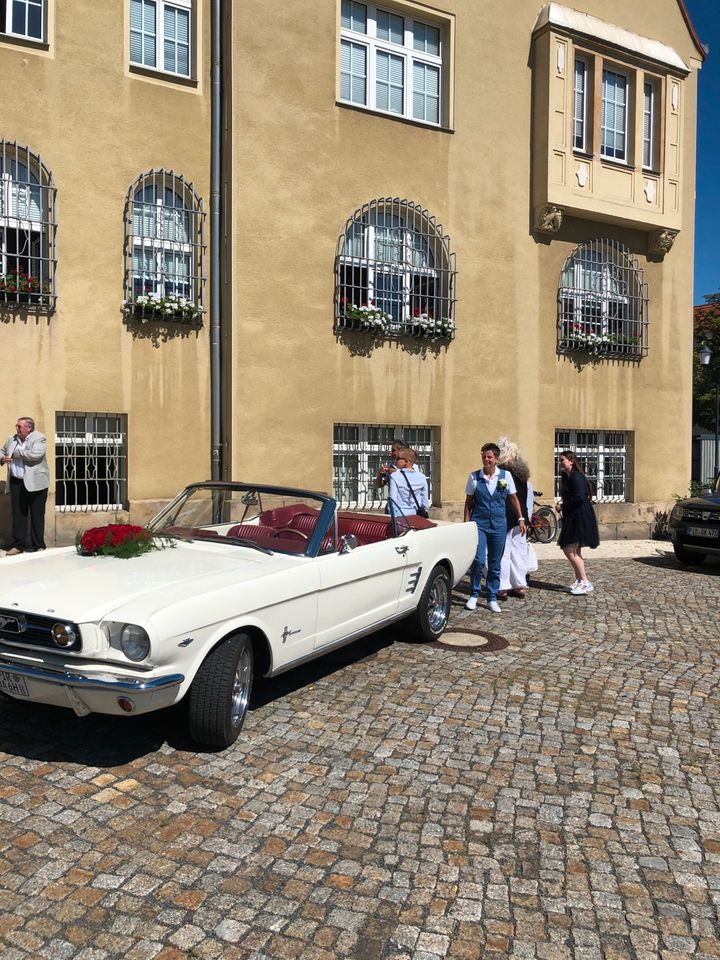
(298, 533)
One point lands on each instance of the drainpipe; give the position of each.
(215, 259)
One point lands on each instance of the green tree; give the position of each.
(706, 323)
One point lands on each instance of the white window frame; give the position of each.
(406, 52)
(6, 29)
(580, 121)
(91, 440)
(605, 106)
(649, 119)
(160, 7)
(594, 449)
(371, 450)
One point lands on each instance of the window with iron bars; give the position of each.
(359, 450)
(90, 461)
(603, 302)
(395, 273)
(27, 229)
(164, 249)
(606, 457)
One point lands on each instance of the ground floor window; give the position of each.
(606, 456)
(359, 449)
(90, 461)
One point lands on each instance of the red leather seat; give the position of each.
(251, 531)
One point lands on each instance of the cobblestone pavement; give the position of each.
(558, 797)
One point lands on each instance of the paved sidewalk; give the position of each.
(554, 795)
(609, 549)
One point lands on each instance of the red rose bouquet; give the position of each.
(122, 540)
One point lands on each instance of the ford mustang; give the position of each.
(246, 581)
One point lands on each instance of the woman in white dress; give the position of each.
(514, 566)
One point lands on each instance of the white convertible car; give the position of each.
(252, 580)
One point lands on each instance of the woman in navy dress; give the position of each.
(579, 526)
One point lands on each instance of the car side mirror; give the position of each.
(348, 542)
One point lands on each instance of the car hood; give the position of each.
(84, 589)
(708, 502)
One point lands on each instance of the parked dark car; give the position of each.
(695, 526)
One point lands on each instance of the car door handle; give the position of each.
(402, 550)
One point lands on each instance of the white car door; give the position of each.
(359, 589)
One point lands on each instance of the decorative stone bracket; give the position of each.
(548, 219)
(660, 241)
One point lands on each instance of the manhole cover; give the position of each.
(473, 640)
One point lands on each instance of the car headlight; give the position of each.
(134, 642)
(677, 513)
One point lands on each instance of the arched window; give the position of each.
(164, 249)
(395, 273)
(27, 229)
(602, 302)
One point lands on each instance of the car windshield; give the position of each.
(263, 518)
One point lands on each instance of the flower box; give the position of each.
(152, 307)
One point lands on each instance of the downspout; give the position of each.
(215, 259)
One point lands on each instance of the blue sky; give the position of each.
(705, 15)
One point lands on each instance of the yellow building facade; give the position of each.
(440, 222)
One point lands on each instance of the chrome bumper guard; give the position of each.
(108, 682)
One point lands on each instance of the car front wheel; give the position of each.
(433, 610)
(220, 693)
(689, 557)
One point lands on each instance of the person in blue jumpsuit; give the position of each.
(486, 493)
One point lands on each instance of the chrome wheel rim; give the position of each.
(438, 605)
(241, 687)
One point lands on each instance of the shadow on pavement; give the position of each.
(669, 562)
(38, 732)
(267, 690)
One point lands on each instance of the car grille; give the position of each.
(34, 630)
(697, 513)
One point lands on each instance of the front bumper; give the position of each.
(87, 693)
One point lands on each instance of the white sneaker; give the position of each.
(575, 583)
(582, 588)
(471, 604)
(494, 606)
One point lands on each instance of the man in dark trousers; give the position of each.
(27, 483)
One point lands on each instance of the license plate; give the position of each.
(12, 684)
(702, 532)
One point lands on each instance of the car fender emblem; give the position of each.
(186, 642)
(706, 515)
(13, 624)
(287, 632)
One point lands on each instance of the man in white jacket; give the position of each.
(28, 480)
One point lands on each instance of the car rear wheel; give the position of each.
(689, 557)
(433, 610)
(220, 693)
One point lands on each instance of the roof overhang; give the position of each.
(572, 21)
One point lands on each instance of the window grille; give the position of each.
(23, 18)
(164, 249)
(90, 461)
(606, 458)
(359, 450)
(603, 302)
(27, 229)
(391, 63)
(160, 35)
(395, 273)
